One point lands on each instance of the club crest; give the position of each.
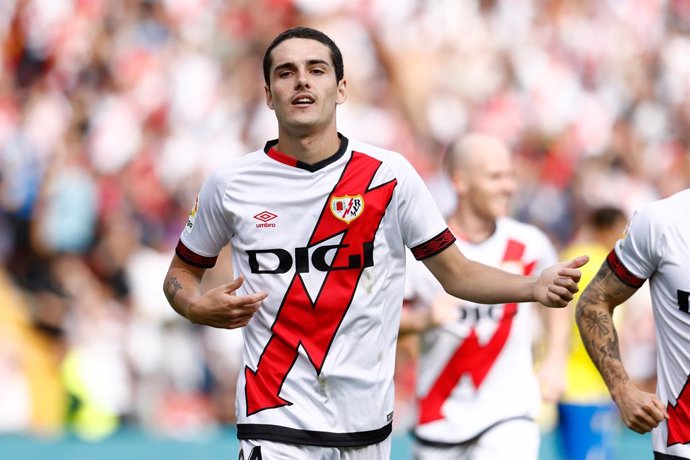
(347, 208)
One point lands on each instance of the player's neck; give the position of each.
(470, 226)
(311, 148)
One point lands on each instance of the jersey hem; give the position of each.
(286, 435)
(443, 444)
(662, 456)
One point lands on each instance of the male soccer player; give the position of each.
(477, 392)
(657, 248)
(318, 225)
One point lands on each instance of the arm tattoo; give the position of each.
(593, 317)
(171, 288)
(596, 322)
(611, 365)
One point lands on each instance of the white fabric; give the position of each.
(274, 450)
(257, 203)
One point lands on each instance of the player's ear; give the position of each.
(459, 182)
(269, 97)
(341, 96)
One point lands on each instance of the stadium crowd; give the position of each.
(112, 112)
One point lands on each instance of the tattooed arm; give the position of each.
(640, 411)
(218, 307)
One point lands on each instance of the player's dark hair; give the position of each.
(310, 34)
(605, 217)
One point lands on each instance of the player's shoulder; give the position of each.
(664, 213)
(386, 156)
(235, 166)
(674, 206)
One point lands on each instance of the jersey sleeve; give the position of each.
(423, 228)
(208, 227)
(634, 257)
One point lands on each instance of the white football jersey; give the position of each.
(657, 248)
(327, 242)
(478, 371)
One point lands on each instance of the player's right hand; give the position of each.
(220, 307)
(558, 283)
(640, 411)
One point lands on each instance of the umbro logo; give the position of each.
(265, 217)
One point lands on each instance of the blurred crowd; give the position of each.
(113, 112)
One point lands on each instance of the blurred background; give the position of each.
(113, 112)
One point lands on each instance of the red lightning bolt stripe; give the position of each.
(471, 357)
(679, 418)
(314, 325)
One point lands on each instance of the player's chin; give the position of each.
(500, 210)
(304, 125)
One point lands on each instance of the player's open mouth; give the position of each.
(303, 100)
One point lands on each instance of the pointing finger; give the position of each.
(257, 297)
(571, 273)
(577, 262)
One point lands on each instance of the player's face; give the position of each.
(490, 186)
(303, 91)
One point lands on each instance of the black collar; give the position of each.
(291, 161)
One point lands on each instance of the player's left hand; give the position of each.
(557, 284)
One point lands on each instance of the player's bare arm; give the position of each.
(217, 307)
(640, 411)
(469, 280)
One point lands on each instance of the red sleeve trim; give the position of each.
(621, 272)
(192, 258)
(434, 245)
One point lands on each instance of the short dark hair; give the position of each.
(310, 34)
(605, 217)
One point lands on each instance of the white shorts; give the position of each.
(516, 439)
(256, 449)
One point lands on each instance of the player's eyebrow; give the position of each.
(292, 65)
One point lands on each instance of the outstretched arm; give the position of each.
(473, 281)
(639, 410)
(218, 307)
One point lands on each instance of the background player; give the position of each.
(317, 224)
(477, 392)
(656, 247)
(587, 419)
